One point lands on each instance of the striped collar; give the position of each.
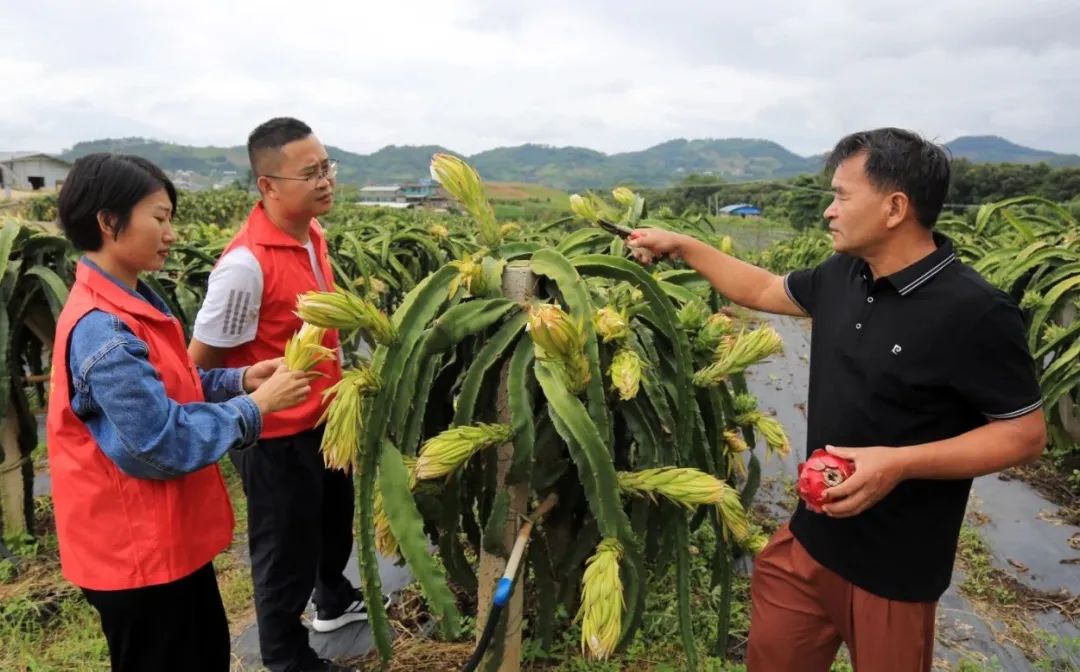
(908, 279)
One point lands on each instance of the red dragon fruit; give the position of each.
(820, 471)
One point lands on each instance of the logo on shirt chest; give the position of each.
(896, 349)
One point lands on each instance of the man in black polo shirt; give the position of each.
(919, 373)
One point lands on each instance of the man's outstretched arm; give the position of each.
(742, 283)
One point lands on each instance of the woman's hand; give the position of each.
(260, 372)
(284, 389)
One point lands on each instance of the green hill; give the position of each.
(994, 149)
(568, 168)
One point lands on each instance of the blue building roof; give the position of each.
(740, 209)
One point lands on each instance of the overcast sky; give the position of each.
(476, 74)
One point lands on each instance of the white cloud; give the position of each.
(614, 76)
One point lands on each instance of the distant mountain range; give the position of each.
(568, 168)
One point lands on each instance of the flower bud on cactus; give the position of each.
(683, 485)
(625, 373)
(462, 182)
(553, 330)
(470, 275)
(561, 341)
(822, 470)
(1053, 332)
(735, 442)
(305, 349)
(776, 438)
(748, 415)
(623, 196)
(693, 314)
(756, 542)
(625, 298)
(611, 324)
(583, 208)
(735, 356)
(344, 417)
(591, 209)
(734, 446)
(712, 333)
(742, 404)
(447, 451)
(480, 275)
(340, 309)
(733, 515)
(602, 601)
(1032, 301)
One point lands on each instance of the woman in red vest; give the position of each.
(135, 429)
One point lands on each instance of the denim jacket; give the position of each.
(120, 397)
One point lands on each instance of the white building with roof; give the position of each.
(31, 170)
(390, 193)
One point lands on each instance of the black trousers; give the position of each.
(300, 518)
(178, 626)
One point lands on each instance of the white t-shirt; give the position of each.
(229, 315)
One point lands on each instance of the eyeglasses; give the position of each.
(327, 170)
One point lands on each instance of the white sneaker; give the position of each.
(357, 611)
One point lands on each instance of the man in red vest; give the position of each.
(299, 513)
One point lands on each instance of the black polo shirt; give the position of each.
(927, 353)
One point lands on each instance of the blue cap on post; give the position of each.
(502, 591)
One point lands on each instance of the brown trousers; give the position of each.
(800, 612)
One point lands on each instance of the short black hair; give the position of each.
(271, 136)
(111, 183)
(903, 161)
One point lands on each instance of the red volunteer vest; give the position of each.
(116, 531)
(287, 273)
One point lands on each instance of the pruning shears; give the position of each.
(615, 229)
